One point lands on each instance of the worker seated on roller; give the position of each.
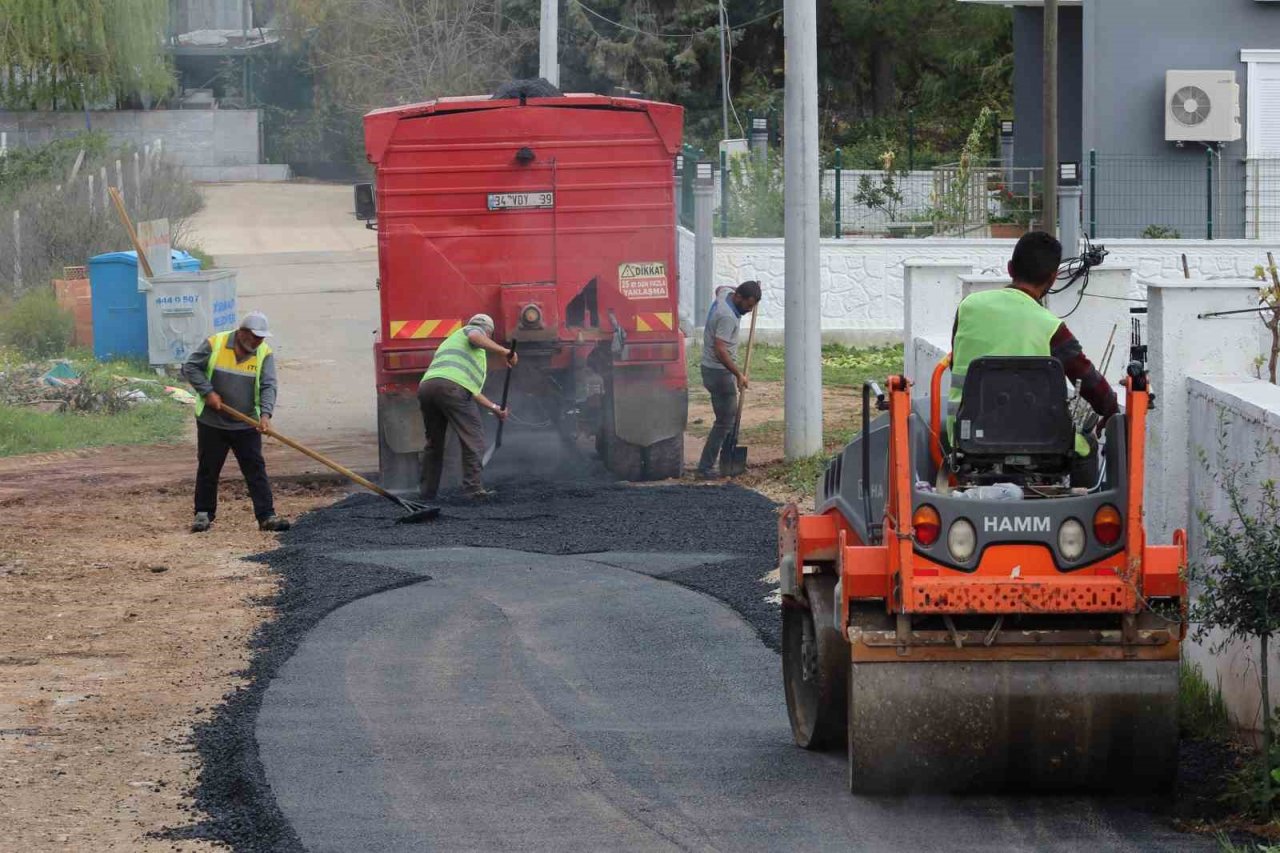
(1012, 322)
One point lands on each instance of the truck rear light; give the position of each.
(407, 360)
(927, 525)
(1107, 525)
(1071, 540)
(649, 352)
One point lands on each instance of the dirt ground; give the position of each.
(119, 630)
(764, 408)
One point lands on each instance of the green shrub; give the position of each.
(36, 325)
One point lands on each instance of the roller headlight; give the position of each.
(962, 540)
(1071, 540)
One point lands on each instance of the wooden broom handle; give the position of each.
(133, 235)
(307, 451)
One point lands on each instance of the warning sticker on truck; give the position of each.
(643, 281)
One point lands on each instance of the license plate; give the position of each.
(521, 201)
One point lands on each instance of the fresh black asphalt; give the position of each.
(546, 673)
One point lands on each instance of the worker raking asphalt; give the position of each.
(589, 514)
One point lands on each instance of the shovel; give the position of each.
(417, 511)
(506, 389)
(733, 456)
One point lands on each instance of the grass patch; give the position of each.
(1202, 712)
(842, 366)
(24, 430)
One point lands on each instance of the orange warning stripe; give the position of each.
(418, 329)
(650, 322)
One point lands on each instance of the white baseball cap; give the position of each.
(484, 321)
(256, 322)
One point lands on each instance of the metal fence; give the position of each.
(1188, 194)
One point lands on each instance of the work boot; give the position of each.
(708, 476)
(201, 523)
(480, 495)
(274, 524)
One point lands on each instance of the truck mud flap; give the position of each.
(647, 412)
(400, 423)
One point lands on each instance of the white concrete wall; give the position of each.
(1207, 259)
(862, 280)
(1231, 419)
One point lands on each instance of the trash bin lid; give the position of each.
(131, 257)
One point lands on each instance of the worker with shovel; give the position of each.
(721, 375)
(237, 367)
(448, 395)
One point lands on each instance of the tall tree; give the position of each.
(63, 53)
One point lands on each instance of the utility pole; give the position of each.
(1050, 215)
(803, 320)
(724, 74)
(548, 42)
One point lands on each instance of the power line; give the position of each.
(661, 34)
(623, 26)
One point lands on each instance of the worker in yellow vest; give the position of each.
(236, 367)
(1012, 321)
(449, 392)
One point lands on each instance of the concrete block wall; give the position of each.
(210, 144)
(1232, 417)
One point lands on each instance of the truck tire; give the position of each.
(665, 460)
(622, 458)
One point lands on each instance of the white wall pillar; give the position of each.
(1180, 344)
(931, 293)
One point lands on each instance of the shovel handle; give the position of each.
(506, 389)
(307, 451)
(746, 372)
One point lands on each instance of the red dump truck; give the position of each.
(556, 216)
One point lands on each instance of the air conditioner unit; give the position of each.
(1201, 106)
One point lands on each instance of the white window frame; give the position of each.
(1253, 58)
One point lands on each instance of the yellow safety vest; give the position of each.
(459, 361)
(222, 357)
(1001, 322)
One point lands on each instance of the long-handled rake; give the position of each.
(417, 512)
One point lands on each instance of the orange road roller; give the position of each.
(967, 609)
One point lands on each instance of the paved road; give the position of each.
(521, 701)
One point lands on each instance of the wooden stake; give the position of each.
(133, 235)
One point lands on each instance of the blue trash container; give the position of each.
(119, 310)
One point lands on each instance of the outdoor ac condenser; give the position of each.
(1201, 106)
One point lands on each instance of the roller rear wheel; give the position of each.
(815, 666)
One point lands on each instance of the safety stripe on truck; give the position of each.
(418, 329)
(654, 322)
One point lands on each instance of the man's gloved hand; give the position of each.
(213, 400)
